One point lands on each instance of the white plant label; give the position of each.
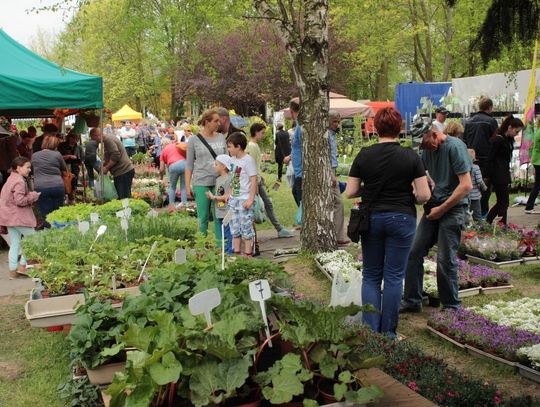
(113, 279)
(152, 213)
(94, 218)
(93, 272)
(84, 227)
(101, 230)
(154, 245)
(204, 302)
(124, 224)
(259, 290)
(125, 203)
(180, 256)
(120, 214)
(127, 213)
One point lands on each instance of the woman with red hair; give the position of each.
(393, 179)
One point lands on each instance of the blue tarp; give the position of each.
(408, 96)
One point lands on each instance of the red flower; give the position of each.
(439, 398)
(412, 385)
(497, 400)
(451, 394)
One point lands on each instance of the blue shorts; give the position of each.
(242, 220)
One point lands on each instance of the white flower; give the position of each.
(339, 260)
(523, 313)
(532, 353)
(430, 285)
(430, 266)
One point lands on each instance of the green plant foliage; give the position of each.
(284, 380)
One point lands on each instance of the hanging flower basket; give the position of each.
(92, 120)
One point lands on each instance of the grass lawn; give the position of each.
(33, 362)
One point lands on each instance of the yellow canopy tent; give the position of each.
(126, 113)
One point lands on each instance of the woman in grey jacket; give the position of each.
(200, 172)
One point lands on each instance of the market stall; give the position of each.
(126, 113)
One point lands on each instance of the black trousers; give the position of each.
(502, 191)
(279, 169)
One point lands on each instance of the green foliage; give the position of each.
(79, 392)
(284, 380)
(82, 211)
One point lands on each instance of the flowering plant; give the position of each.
(469, 327)
(430, 285)
(492, 248)
(430, 266)
(522, 313)
(479, 275)
(530, 355)
(339, 260)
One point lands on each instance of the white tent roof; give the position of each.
(345, 107)
(506, 87)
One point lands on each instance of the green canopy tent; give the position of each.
(31, 86)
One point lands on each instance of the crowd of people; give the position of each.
(453, 177)
(220, 169)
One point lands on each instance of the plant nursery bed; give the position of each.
(494, 264)
(446, 338)
(104, 374)
(496, 290)
(54, 311)
(529, 373)
(477, 352)
(469, 292)
(323, 270)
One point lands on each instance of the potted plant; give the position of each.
(91, 117)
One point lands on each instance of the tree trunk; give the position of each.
(448, 37)
(305, 34)
(382, 81)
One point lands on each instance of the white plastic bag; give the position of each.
(289, 175)
(346, 292)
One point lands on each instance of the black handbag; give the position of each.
(359, 220)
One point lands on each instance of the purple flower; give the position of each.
(467, 327)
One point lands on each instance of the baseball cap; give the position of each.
(441, 109)
(225, 160)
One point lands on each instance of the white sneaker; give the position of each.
(531, 212)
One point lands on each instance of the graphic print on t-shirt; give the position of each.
(220, 192)
(236, 180)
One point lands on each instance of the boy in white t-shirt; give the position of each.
(243, 189)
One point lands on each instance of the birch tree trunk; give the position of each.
(302, 25)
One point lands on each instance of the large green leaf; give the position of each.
(140, 338)
(365, 394)
(166, 371)
(142, 395)
(284, 380)
(328, 366)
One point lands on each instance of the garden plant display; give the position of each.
(432, 378)
(339, 260)
(530, 356)
(172, 356)
(82, 211)
(468, 327)
(522, 313)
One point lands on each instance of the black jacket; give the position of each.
(283, 145)
(478, 131)
(499, 157)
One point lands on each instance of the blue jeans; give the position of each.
(122, 183)
(50, 199)
(15, 234)
(297, 190)
(446, 233)
(227, 237)
(176, 171)
(385, 249)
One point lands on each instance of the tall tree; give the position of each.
(303, 26)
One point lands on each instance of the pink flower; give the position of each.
(412, 385)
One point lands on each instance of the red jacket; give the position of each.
(16, 203)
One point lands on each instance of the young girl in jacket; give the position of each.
(16, 212)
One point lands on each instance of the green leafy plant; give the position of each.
(79, 392)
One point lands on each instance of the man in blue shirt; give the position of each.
(296, 152)
(334, 120)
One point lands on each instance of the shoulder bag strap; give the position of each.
(203, 140)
